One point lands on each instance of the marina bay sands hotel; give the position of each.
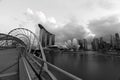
(46, 38)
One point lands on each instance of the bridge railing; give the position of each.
(60, 72)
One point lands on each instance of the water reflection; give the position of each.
(92, 66)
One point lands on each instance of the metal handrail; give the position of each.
(28, 74)
(33, 68)
(41, 68)
(59, 69)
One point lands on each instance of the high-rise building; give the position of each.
(112, 42)
(80, 42)
(117, 41)
(46, 38)
(101, 43)
(95, 44)
(85, 44)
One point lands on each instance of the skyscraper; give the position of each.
(117, 41)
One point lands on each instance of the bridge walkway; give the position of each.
(9, 64)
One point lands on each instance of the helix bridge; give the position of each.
(22, 57)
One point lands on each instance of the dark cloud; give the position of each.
(69, 31)
(105, 26)
(101, 27)
(65, 32)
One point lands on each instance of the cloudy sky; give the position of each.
(66, 18)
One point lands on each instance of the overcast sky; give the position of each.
(86, 16)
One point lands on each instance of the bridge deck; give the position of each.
(9, 64)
